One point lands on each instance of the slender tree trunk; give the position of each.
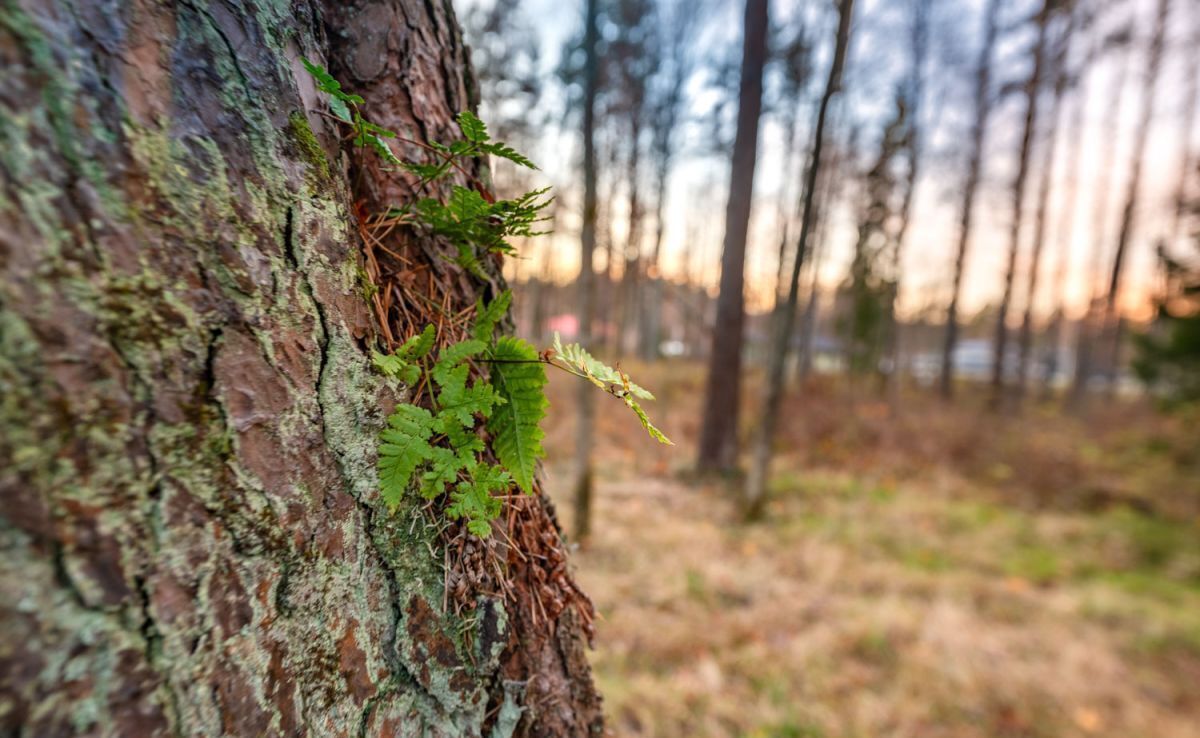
(1089, 327)
(194, 543)
(626, 311)
(755, 493)
(1187, 126)
(585, 415)
(1033, 88)
(829, 190)
(718, 433)
(983, 109)
(1112, 323)
(1025, 340)
(914, 96)
(1066, 224)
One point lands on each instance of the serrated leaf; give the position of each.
(486, 316)
(404, 445)
(504, 151)
(596, 371)
(520, 380)
(472, 128)
(655, 433)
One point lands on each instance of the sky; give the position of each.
(696, 201)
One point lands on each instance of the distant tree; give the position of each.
(913, 97)
(983, 110)
(585, 415)
(755, 492)
(633, 55)
(1041, 217)
(868, 290)
(1119, 42)
(718, 434)
(1032, 91)
(676, 34)
(829, 189)
(1075, 78)
(1168, 355)
(1187, 127)
(1112, 323)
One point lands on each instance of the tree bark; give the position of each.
(718, 433)
(193, 538)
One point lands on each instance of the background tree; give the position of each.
(586, 411)
(190, 285)
(982, 112)
(1112, 323)
(1168, 355)
(718, 439)
(754, 495)
(1058, 65)
(1031, 88)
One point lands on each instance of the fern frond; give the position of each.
(486, 316)
(520, 380)
(472, 499)
(655, 433)
(472, 128)
(404, 445)
(597, 372)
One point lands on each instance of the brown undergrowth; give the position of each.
(924, 571)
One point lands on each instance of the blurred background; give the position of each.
(916, 283)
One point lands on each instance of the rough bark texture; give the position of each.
(193, 542)
(718, 432)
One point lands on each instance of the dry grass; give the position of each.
(936, 573)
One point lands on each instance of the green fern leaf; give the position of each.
(404, 445)
(504, 151)
(473, 499)
(472, 128)
(655, 433)
(520, 381)
(596, 371)
(486, 316)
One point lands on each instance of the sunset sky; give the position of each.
(695, 213)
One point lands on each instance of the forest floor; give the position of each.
(936, 571)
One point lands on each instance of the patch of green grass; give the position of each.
(1036, 563)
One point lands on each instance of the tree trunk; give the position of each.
(194, 540)
(1112, 325)
(1089, 325)
(983, 110)
(755, 493)
(586, 410)
(718, 433)
(1025, 339)
(1033, 88)
(1066, 223)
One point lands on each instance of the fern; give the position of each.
(487, 316)
(613, 381)
(520, 380)
(400, 363)
(440, 453)
(404, 445)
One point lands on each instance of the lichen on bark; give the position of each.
(192, 538)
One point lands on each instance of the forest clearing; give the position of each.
(910, 580)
